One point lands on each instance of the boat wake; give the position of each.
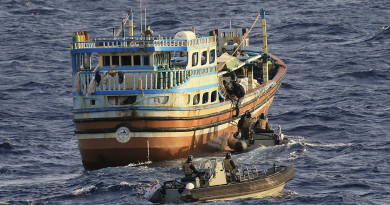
(84, 190)
(139, 164)
(284, 195)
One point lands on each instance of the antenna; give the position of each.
(140, 10)
(145, 18)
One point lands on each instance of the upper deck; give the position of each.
(137, 43)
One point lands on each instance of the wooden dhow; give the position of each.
(153, 98)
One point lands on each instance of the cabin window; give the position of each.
(93, 102)
(196, 99)
(214, 96)
(106, 61)
(205, 98)
(146, 60)
(212, 56)
(137, 60)
(204, 58)
(195, 59)
(161, 99)
(115, 60)
(126, 60)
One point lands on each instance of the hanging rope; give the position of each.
(77, 86)
(92, 84)
(247, 33)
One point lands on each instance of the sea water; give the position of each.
(333, 103)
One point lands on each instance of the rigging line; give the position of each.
(120, 29)
(97, 66)
(247, 33)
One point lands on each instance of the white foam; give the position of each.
(138, 164)
(125, 184)
(330, 145)
(83, 190)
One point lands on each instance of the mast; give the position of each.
(131, 24)
(123, 27)
(140, 10)
(145, 18)
(265, 47)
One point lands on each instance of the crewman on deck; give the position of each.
(244, 125)
(228, 163)
(239, 92)
(262, 123)
(243, 54)
(229, 91)
(223, 50)
(274, 69)
(189, 168)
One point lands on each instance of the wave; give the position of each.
(298, 26)
(84, 190)
(332, 145)
(352, 185)
(6, 148)
(45, 11)
(372, 74)
(165, 23)
(314, 128)
(287, 86)
(379, 36)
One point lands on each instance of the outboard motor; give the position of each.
(153, 193)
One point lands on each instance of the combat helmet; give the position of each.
(189, 158)
(228, 155)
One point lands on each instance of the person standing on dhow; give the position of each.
(239, 92)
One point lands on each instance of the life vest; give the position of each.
(239, 91)
(247, 122)
(227, 165)
(187, 169)
(262, 124)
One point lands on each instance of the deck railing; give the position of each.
(140, 80)
(111, 42)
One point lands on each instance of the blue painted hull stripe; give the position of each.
(151, 108)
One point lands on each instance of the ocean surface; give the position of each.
(334, 102)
